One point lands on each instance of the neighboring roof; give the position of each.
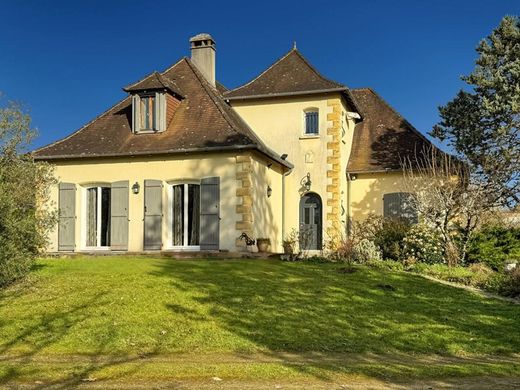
(221, 87)
(291, 74)
(152, 82)
(203, 121)
(384, 138)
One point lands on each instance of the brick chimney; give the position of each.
(203, 55)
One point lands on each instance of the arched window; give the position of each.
(312, 121)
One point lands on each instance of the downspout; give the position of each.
(349, 220)
(283, 201)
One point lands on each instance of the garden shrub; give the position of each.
(340, 248)
(24, 187)
(494, 245)
(351, 248)
(481, 275)
(386, 233)
(423, 244)
(365, 250)
(390, 238)
(510, 286)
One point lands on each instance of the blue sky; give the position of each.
(68, 60)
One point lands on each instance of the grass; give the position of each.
(148, 319)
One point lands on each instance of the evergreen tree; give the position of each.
(483, 125)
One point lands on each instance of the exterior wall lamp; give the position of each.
(307, 182)
(269, 191)
(135, 188)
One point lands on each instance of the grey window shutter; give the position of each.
(160, 111)
(136, 113)
(210, 213)
(400, 205)
(119, 216)
(152, 214)
(67, 216)
(391, 205)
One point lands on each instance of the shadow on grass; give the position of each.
(307, 309)
(50, 329)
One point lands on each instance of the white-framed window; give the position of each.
(97, 217)
(311, 122)
(148, 112)
(184, 215)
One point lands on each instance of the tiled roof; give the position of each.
(291, 74)
(152, 82)
(203, 121)
(384, 138)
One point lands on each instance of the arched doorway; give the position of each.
(310, 222)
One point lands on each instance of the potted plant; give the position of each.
(289, 245)
(263, 244)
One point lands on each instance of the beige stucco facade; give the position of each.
(368, 189)
(85, 173)
(245, 177)
(280, 122)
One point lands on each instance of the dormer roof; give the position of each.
(154, 81)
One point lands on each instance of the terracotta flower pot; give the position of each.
(263, 245)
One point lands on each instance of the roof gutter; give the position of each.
(375, 171)
(208, 149)
(281, 94)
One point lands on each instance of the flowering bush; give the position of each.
(422, 244)
(365, 251)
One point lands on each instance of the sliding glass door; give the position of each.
(98, 217)
(185, 209)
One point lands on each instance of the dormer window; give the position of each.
(147, 115)
(149, 112)
(312, 122)
(154, 100)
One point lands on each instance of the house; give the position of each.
(182, 163)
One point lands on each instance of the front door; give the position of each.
(310, 222)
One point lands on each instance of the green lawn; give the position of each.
(149, 319)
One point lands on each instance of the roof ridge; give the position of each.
(261, 74)
(209, 90)
(142, 79)
(315, 70)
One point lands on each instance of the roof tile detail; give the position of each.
(203, 121)
(291, 74)
(152, 82)
(384, 138)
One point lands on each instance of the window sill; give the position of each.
(146, 132)
(310, 136)
(189, 248)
